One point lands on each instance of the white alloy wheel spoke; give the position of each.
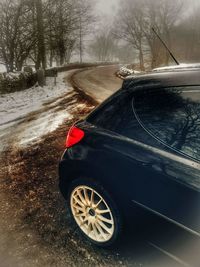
(102, 211)
(89, 229)
(102, 233)
(86, 197)
(92, 199)
(108, 230)
(103, 219)
(96, 234)
(83, 222)
(98, 203)
(80, 215)
(77, 201)
(81, 209)
(79, 193)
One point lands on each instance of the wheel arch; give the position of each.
(71, 170)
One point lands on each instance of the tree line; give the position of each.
(177, 23)
(42, 31)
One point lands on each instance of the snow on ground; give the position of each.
(46, 122)
(15, 106)
(27, 115)
(2, 68)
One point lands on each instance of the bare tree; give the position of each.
(129, 27)
(104, 47)
(17, 37)
(187, 36)
(64, 11)
(62, 23)
(162, 15)
(85, 18)
(41, 57)
(135, 22)
(42, 29)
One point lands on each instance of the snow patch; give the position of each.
(125, 71)
(26, 116)
(2, 68)
(46, 123)
(15, 106)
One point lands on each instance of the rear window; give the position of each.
(172, 116)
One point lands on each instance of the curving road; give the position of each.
(99, 82)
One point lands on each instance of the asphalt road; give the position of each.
(99, 82)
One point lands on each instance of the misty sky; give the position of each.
(110, 7)
(107, 7)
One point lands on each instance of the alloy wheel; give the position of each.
(92, 214)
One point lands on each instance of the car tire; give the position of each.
(95, 212)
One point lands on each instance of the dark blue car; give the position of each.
(140, 148)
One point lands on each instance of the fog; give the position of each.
(98, 30)
(129, 24)
(105, 7)
(109, 7)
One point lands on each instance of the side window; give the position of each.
(117, 115)
(171, 115)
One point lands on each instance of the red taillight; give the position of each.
(75, 135)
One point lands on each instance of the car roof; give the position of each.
(182, 66)
(164, 78)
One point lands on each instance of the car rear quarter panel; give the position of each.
(132, 171)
